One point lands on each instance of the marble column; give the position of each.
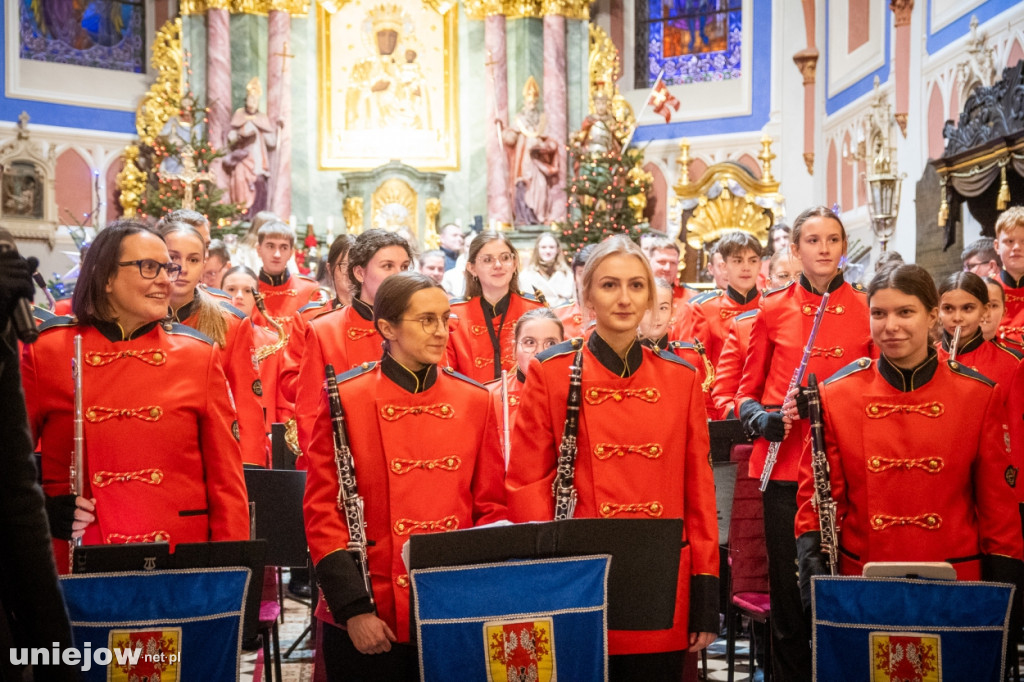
(279, 108)
(901, 10)
(807, 61)
(555, 105)
(499, 207)
(218, 84)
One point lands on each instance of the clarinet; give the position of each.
(77, 470)
(541, 298)
(798, 376)
(349, 501)
(564, 485)
(822, 500)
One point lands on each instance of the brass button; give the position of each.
(158, 357)
(154, 412)
(402, 580)
(445, 409)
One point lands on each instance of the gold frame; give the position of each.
(449, 161)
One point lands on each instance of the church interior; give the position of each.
(411, 115)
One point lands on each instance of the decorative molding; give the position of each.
(990, 112)
(978, 67)
(809, 162)
(901, 10)
(297, 8)
(807, 61)
(29, 168)
(901, 121)
(517, 9)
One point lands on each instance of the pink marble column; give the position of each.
(556, 105)
(499, 207)
(901, 10)
(218, 84)
(279, 108)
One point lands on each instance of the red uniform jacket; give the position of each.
(344, 338)
(516, 381)
(572, 319)
(242, 372)
(777, 344)
(160, 457)
(276, 407)
(917, 475)
(713, 313)
(470, 350)
(642, 452)
(284, 294)
(730, 366)
(1015, 418)
(1012, 325)
(698, 359)
(406, 488)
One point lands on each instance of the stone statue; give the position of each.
(533, 165)
(600, 131)
(250, 139)
(179, 131)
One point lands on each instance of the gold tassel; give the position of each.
(1003, 200)
(944, 207)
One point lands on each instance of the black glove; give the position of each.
(811, 562)
(802, 403)
(15, 280)
(60, 510)
(760, 423)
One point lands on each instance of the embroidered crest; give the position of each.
(159, 653)
(1011, 476)
(905, 656)
(520, 651)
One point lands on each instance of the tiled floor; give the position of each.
(299, 666)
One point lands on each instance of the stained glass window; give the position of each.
(107, 34)
(692, 41)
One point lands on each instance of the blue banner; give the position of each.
(887, 629)
(166, 625)
(542, 619)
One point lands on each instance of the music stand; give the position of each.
(725, 491)
(281, 456)
(724, 434)
(643, 574)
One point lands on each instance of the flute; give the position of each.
(955, 344)
(798, 376)
(504, 414)
(77, 469)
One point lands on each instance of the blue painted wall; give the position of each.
(761, 57)
(64, 115)
(834, 101)
(961, 26)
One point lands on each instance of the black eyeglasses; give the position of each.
(149, 268)
(430, 323)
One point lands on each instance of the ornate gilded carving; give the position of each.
(726, 212)
(131, 181)
(766, 157)
(901, 121)
(297, 8)
(809, 162)
(901, 10)
(516, 9)
(807, 61)
(352, 212)
(432, 239)
(163, 97)
(604, 64)
(684, 164)
(394, 207)
(638, 201)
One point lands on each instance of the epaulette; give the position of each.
(58, 321)
(852, 368)
(358, 370)
(568, 346)
(214, 291)
(672, 357)
(178, 329)
(452, 373)
(528, 297)
(966, 371)
(685, 345)
(308, 279)
(456, 301)
(41, 315)
(708, 296)
(564, 304)
(1007, 349)
(859, 288)
(312, 305)
(769, 292)
(232, 309)
(747, 315)
(1009, 343)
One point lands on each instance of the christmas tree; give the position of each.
(162, 162)
(607, 194)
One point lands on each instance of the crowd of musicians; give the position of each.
(559, 388)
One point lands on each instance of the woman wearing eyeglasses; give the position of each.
(228, 328)
(392, 408)
(482, 342)
(536, 331)
(161, 463)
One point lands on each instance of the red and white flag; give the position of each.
(663, 101)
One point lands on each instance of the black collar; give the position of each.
(611, 360)
(112, 331)
(413, 382)
(499, 308)
(274, 280)
(364, 309)
(1009, 281)
(833, 284)
(966, 345)
(186, 311)
(520, 375)
(909, 379)
(656, 344)
(740, 298)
